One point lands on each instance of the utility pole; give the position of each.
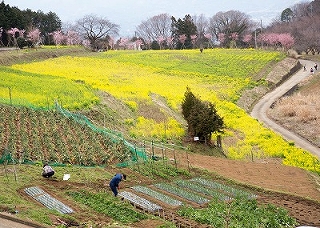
(255, 39)
(261, 35)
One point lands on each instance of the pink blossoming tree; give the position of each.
(34, 36)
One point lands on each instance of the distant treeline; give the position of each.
(12, 17)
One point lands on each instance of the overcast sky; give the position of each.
(130, 13)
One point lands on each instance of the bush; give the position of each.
(21, 42)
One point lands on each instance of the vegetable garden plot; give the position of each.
(201, 189)
(224, 188)
(31, 135)
(176, 190)
(157, 195)
(141, 202)
(47, 200)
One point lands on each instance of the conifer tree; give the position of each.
(201, 116)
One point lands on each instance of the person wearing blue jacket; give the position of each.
(115, 181)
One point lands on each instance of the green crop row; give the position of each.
(233, 192)
(203, 190)
(109, 206)
(176, 190)
(240, 213)
(157, 195)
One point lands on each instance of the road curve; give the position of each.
(259, 111)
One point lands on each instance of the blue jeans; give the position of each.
(114, 189)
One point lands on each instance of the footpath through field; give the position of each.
(260, 109)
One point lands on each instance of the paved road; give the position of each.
(8, 49)
(259, 110)
(10, 221)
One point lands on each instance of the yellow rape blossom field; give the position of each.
(217, 75)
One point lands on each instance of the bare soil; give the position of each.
(292, 188)
(289, 187)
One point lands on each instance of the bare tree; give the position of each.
(301, 10)
(96, 29)
(202, 24)
(155, 27)
(230, 22)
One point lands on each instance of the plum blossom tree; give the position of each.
(170, 41)
(139, 42)
(34, 36)
(127, 44)
(208, 36)
(123, 42)
(182, 40)
(302, 22)
(233, 39)
(14, 33)
(161, 41)
(58, 37)
(221, 38)
(193, 39)
(111, 42)
(284, 40)
(247, 38)
(72, 38)
(86, 43)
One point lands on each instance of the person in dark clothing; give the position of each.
(47, 171)
(115, 181)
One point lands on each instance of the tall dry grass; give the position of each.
(303, 108)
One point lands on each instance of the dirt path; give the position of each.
(260, 109)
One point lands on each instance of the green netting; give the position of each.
(6, 158)
(116, 137)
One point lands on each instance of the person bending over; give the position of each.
(115, 181)
(47, 171)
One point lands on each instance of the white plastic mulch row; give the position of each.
(139, 201)
(202, 189)
(47, 200)
(232, 191)
(157, 195)
(182, 192)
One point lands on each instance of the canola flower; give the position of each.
(36, 90)
(217, 75)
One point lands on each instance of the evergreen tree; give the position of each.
(185, 27)
(287, 15)
(12, 17)
(202, 117)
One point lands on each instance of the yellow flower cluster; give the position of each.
(217, 75)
